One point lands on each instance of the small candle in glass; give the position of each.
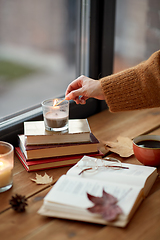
(6, 166)
(56, 114)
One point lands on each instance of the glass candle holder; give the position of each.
(56, 114)
(6, 166)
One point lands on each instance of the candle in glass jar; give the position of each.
(5, 173)
(56, 114)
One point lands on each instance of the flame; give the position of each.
(55, 102)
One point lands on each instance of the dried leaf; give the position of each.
(106, 206)
(42, 179)
(102, 148)
(123, 146)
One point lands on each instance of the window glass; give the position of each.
(37, 51)
(137, 33)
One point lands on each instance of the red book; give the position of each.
(46, 163)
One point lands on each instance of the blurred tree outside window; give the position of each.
(37, 51)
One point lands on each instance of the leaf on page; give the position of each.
(106, 206)
(123, 146)
(42, 179)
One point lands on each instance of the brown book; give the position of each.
(55, 150)
(47, 163)
(78, 131)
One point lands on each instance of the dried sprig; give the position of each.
(106, 206)
(18, 203)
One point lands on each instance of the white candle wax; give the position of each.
(5, 173)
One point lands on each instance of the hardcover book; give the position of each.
(78, 131)
(55, 150)
(130, 185)
(46, 163)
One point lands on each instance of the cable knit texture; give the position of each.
(135, 88)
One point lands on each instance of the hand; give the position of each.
(83, 88)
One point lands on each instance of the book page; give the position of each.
(79, 126)
(72, 191)
(135, 175)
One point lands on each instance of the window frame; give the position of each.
(97, 54)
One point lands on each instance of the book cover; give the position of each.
(130, 185)
(78, 131)
(54, 150)
(46, 163)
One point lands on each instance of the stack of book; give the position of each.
(40, 149)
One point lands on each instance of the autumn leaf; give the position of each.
(123, 146)
(42, 179)
(106, 206)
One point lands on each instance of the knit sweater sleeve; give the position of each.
(135, 88)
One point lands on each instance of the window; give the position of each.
(37, 51)
(137, 32)
(50, 43)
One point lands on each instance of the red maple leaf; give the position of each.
(106, 206)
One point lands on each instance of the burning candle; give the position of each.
(56, 113)
(6, 166)
(5, 173)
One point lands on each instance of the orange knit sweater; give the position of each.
(135, 88)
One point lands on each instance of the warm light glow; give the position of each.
(1, 164)
(55, 102)
(5, 173)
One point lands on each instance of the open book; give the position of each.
(68, 197)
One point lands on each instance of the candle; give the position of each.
(56, 114)
(5, 173)
(6, 166)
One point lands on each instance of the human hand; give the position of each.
(83, 88)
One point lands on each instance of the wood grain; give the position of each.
(30, 225)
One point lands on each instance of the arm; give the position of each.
(135, 88)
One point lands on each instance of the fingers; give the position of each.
(80, 100)
(77, 90)
(73, 95)
(74, 85)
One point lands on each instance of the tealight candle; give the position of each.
(56, 113)
(6, 166)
